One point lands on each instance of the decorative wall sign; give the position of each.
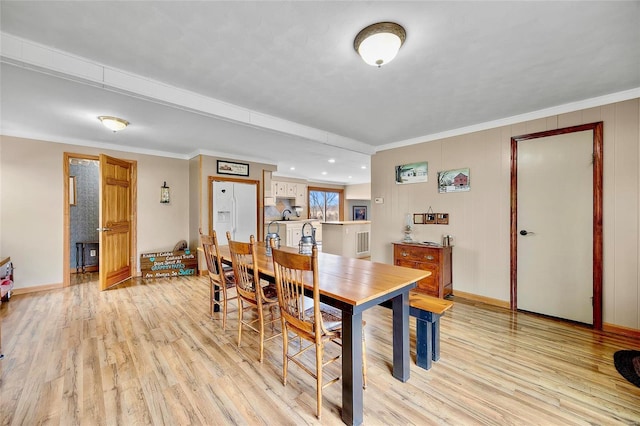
(168, 264)
(411, 173)
(231, 168)
(456, 180)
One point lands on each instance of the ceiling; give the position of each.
(280, 82)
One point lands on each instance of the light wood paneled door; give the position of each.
(117, 185)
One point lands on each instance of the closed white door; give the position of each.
(555, 226)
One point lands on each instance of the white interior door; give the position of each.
(555, 214)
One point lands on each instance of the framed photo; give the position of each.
(418, 218)
(430, 218)
(411, 173)
(231, 168)
(456, 180)
(442, 218)
(359, 212)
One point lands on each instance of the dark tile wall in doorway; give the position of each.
(84, 215)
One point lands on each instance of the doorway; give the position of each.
(86, 207)
(82, 214)
(556, 223)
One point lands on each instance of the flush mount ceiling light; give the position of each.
(113, 123)
(379, 43)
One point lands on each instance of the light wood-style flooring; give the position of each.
(148, 353)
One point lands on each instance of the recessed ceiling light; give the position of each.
(363, 167)
(324, 173)
(332, 160)
(292, 168)
(350, 177)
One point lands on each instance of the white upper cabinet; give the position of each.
(297, 191)
(301, 194)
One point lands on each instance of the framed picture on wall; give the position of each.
(454, 181)
(412, 173)
(232, 168)
(359, 212)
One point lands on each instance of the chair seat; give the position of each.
(230, 278)
(331, 316)
(270, 292)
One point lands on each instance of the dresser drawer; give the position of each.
(417, 254)
(435, 259)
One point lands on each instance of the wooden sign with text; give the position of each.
(168, 264)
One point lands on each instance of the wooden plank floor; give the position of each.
(147, 353)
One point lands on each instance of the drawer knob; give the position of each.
(405, 254)
(429, 257)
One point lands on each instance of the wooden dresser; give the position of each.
(436, 259)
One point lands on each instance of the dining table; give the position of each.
(353, 286)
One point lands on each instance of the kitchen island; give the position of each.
(347, 238)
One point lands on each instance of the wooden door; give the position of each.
(556, 225)
(117, 187)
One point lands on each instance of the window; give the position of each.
(325, 204)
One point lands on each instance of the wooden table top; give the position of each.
(352, 281)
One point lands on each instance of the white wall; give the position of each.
(31, 210)
(479, 219)
(361, 191)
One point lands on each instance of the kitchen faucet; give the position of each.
(284, 214)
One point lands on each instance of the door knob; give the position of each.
(525, 232)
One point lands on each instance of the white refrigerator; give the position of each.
(235, 210)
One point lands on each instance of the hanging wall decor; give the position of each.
(456, 180)
(411, 173)
(164, 194)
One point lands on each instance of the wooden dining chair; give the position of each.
(221, 278)
(251, 294)
(317, 324)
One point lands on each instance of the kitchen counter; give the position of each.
(347, 238)
(348, 222)
(298, 220)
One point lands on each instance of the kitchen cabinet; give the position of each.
(291, 190)
(435, 259)
(301, 194)
(294, 232)
(290, 231)
(279, 189)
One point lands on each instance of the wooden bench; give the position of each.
(427, 310)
